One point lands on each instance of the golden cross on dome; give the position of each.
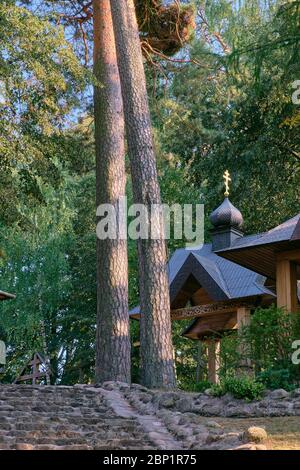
(227, 180)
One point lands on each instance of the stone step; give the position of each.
(65, 418)
(59, 414)
(54, 403)
(25, 446)
(37, 434)
(42, 440)
(69, 432)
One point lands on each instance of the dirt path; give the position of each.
(284, 433)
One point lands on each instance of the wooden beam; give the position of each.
(210, 325)
(213, 350)
(286, 285)
(201, 366)
(243, 316)
(291, 255)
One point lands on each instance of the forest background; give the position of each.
(222, 100)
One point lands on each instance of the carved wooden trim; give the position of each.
(214, 308)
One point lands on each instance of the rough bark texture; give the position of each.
(157, 363)
(113, 340)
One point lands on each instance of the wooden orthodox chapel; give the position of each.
(222, 282)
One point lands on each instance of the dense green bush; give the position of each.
(201, 386)
(246, 388)
(230, 356)
(217, 390)
(266, 342)
(277, 378)
(269, 338)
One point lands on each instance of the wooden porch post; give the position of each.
(243, 316)
(201, 366)
(213, 349)
(286, 285)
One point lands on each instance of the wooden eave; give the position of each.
(260, 258)
(215, 319)
(211, 325)
(216, 308)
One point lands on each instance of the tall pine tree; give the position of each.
(157, 364)
(113, 342)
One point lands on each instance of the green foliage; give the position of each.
(267, 343)
(59, 287)
(230, 355)
(239, 387)
(277, 378)
(40, 84)
(269, 338)
(36, 269)
(217, 116)
(233, 111)
(200, 386)
(217, 390)
(186, 353)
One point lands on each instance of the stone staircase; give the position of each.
(65, 418)
(115, 416)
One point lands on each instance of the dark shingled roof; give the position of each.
(226, 215)
(289, 230)
(259, 251)
(220, 278)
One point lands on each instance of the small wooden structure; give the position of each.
(34, 371)
(276, 255)
(218, 285)
(217, 294)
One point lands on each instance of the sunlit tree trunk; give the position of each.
(157, 364)
(113, 341)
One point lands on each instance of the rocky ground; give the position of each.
(274, 403)
(116, 416)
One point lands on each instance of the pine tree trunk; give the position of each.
(157, 363)
(113, 340)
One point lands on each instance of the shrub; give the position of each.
(269, 338)
(230, 356)
(192, 386)
(280, 378)
(267, 342)
(244, 387)
(218, 390)
(201, 386)
(240, 387)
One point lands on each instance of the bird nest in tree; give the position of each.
(164, 28)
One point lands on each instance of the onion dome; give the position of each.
(226, 215)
